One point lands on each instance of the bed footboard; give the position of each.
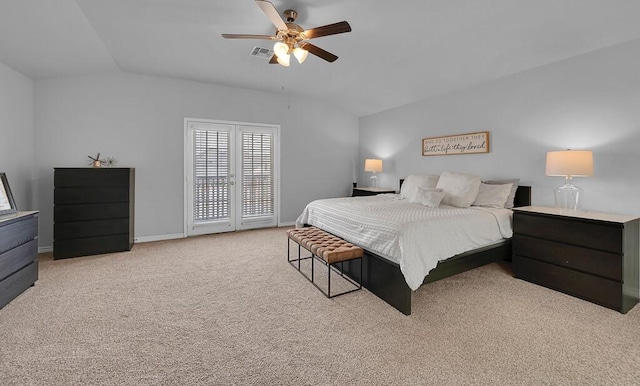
(385, 280)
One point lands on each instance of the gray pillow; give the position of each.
(512, 195)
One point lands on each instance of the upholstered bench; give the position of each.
(328, 249)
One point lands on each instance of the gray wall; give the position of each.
(588, 102)
(139, 120)
(16, 135)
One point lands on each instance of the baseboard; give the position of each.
(286, 224)
(147, 239)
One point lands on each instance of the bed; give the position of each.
(385, 226)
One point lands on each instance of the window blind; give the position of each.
(257, 174)
(211, 175)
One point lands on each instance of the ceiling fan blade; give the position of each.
(273, 14)
(274, 59)
(319, 52)
(330, 29)
(247, 36)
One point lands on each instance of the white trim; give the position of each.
(185, 175)
(147, 239)
(144, 239)
(233, 123)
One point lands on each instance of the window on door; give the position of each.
(211, 193)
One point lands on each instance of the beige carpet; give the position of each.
(229, 309)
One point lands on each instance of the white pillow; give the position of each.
(428, 197)
(460, 189)
(493, 196)
(411, 183)
(512, 196)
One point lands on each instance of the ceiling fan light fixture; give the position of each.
(300, 54)
(284, 60)
(281, 49)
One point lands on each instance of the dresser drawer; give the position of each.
(14, 285)
(83, 212)
(597, 235)
(601, 291)
(94, 177)
(591, 261)
(81, 229)
(91, 246)
(66, 196)
(16, 258)
(18, 232)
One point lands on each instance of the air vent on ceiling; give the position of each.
(261, 52)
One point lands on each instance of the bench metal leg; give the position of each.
(328, 280)
(313, 257)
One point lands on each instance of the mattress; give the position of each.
(412, 235)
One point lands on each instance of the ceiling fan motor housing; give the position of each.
(291, 15)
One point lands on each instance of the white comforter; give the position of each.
(414, 236)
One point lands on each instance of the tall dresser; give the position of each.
(18, 254)
(593, 256)
(93, 211)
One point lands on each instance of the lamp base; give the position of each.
(569, 197)
(373, 181)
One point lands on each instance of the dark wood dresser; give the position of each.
(18, 254)
(593, 256)
(93, 211)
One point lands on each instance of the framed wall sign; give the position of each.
(7, 204)
(470, 143)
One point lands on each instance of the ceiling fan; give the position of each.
(291, 38)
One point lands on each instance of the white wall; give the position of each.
(139, 120)
(587, 102)
(16, 134)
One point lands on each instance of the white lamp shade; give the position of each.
(285, 60)
(281, 49)
(574, 163)
(300, 54)
(373, 165)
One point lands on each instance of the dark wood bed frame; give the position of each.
(384, 278)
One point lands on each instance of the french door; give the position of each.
(231, 176)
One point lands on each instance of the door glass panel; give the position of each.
(257, 174)
(212, 163)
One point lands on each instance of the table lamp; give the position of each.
(374, 166)
(569, 164)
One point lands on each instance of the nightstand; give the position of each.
(370, 191)
(592, 256)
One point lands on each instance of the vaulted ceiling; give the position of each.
(398, 51)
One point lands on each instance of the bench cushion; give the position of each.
(328, 247)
